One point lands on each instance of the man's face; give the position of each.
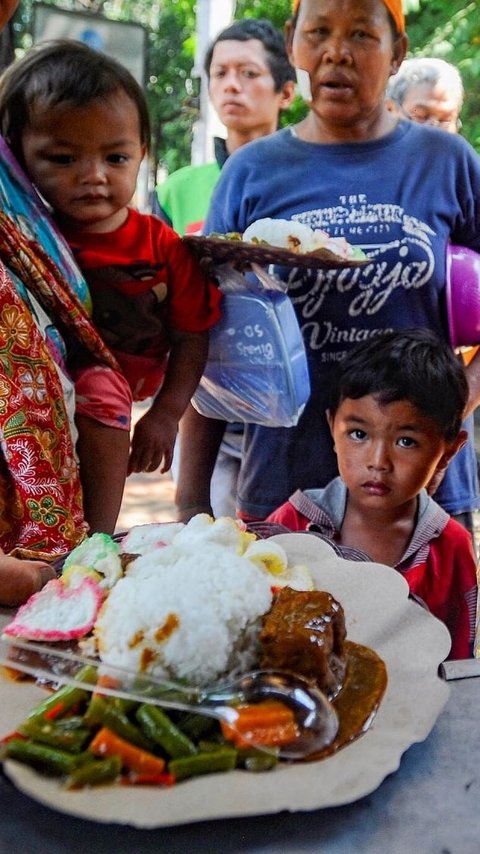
(242, 89)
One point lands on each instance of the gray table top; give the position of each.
(429, 806)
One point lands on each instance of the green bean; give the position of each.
(94, 773)
(125, 706)
(57, 734)
(102, 712)
(158, 727)
(257, 760)
(203, 763)
(70, 723)
(43, 757)
(65, 698)
(195, 726)
(213, 746)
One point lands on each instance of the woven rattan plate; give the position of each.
(221, 251)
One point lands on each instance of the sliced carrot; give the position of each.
(107, 743)
(269, 723)
(268, 712)
(273, 736)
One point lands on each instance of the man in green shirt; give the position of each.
(250, 80)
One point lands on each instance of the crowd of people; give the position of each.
(359, 166)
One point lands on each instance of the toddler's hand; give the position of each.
(152, 443)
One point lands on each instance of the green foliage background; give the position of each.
(446, 28)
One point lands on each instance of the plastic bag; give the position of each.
(257, 369)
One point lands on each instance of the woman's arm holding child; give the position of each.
(154, 434)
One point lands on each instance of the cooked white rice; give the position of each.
(224, 531)
(285, 233)
(146, 538)
(185, 614)
(297, 237)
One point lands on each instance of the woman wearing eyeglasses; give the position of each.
(428, 91)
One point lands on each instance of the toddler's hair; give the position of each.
(273, 42)
(62, 73)
(412, 365)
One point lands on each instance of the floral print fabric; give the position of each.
(41, 512)
(40, 496)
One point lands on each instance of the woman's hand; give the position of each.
(19, 579)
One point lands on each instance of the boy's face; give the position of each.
(85, 161)
(386, 453)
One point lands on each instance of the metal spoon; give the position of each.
(316, 718)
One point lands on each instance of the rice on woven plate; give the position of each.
(298, 237)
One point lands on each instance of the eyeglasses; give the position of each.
(431, 120)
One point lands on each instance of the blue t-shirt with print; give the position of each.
(402, 198)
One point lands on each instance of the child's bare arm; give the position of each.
(20, 578)
(200, 440)
(154, 434)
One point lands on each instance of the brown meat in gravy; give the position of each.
(304, 631)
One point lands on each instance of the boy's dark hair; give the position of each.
(412, 365)
(272, 39)
(62, 72)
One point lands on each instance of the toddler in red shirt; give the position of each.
(78, 123)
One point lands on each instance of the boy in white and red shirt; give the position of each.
(395, 418)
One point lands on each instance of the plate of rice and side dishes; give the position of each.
(283, 242)
(188, 608)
